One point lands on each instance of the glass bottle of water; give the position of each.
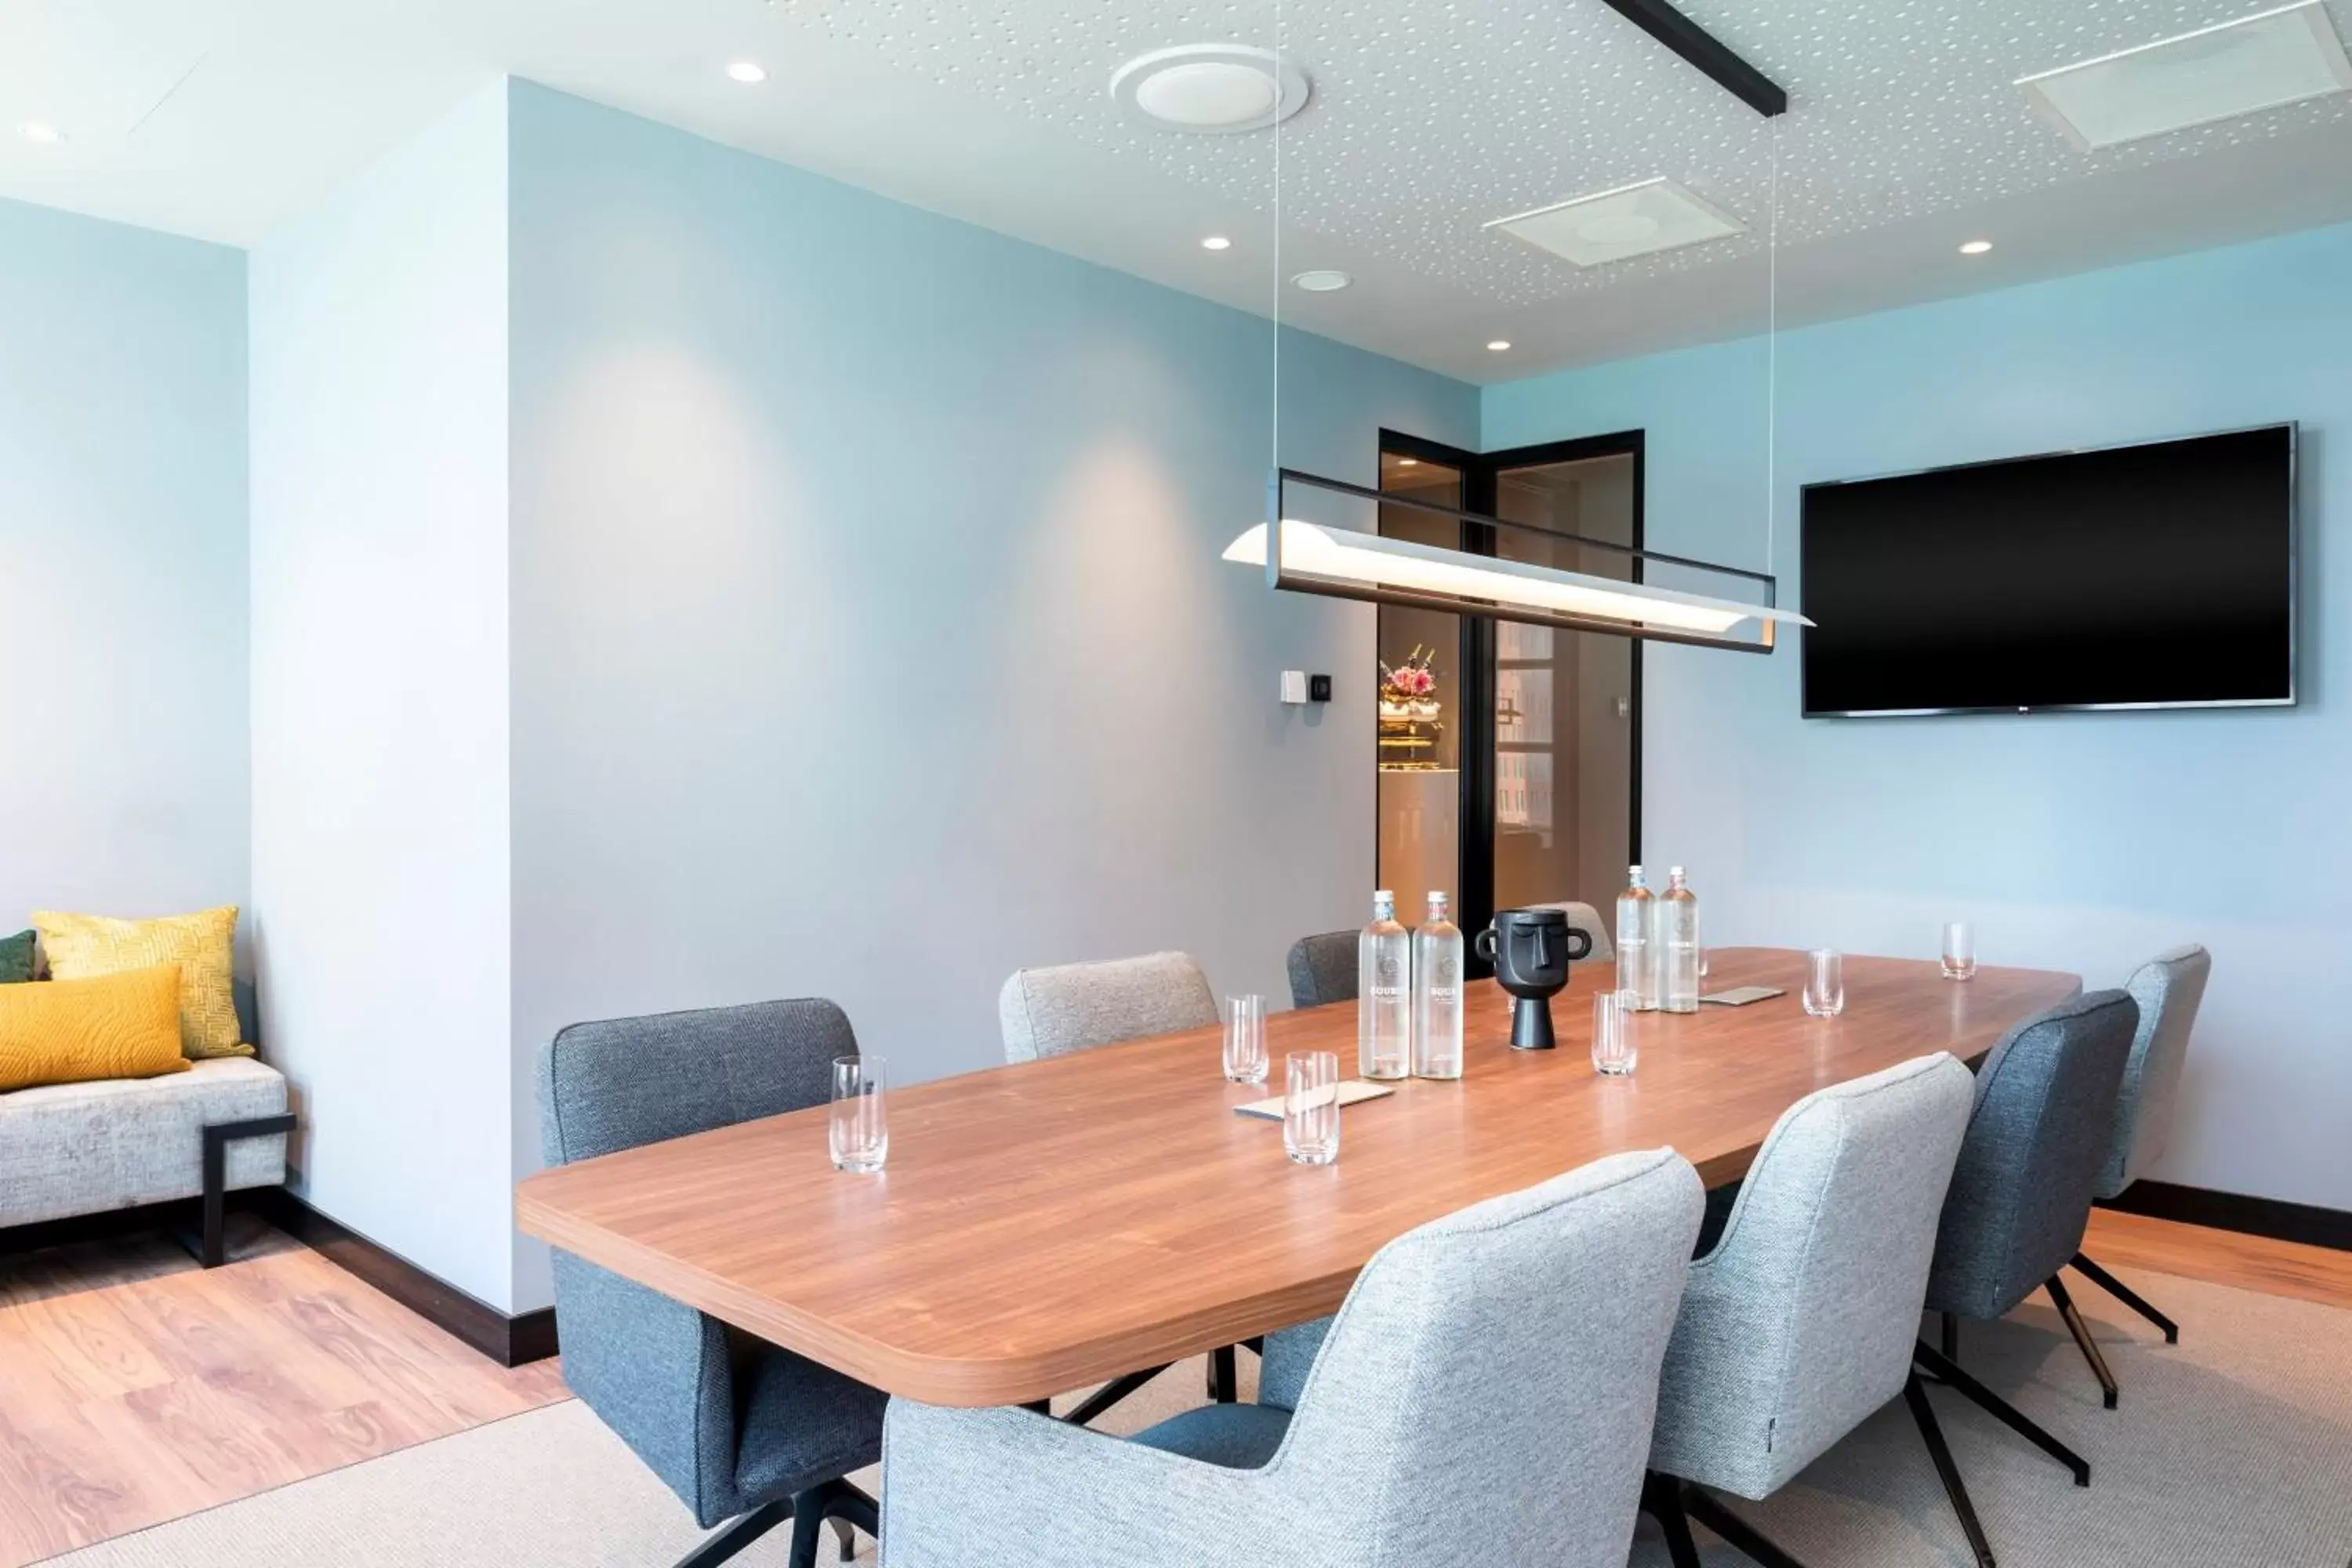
(1437, 995)
(1637, 968)
(1385, 994)
(1678, 916)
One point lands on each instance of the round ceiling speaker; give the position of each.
(1322, 280)
(1211, 88)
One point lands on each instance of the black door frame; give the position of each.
(1481, 472)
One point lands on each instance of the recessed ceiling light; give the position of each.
(750, 72)
(1216, 242)
(44, 132)
(2214, 73)
(1408, 462)
(1631, 220)
(1216, 89)
(1976, 248)
(1498, 345)
(1322, 280)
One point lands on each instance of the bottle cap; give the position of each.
(1635, 871)
(1383, 902)
(1674, 870)
(1436, 901)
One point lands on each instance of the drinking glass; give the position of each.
(1614, 1043)
(1246, 1039)
(859, 1132)
(1959, 951)
(1824, 982)
(1310, 1107)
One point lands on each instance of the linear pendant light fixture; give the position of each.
(1343, 563)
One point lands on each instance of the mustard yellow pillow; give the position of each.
(85, 947)
(69, 1031)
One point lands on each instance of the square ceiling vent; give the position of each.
(2214, 73)
(1631, 220)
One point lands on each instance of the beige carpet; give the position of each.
(2233, 1448)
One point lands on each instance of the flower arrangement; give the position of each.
(1409, 688)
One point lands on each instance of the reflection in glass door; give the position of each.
(1564, 753)
(1509, 755)
(1420, 713)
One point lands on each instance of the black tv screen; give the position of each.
(2145, 577)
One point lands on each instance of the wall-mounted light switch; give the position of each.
(1318, 689)
(1294, 685)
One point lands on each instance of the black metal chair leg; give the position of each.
(847, 1504)
(1662, 1499)
(2001, 1410)
(1223, 1381)
(737, 1533)
(1951, 1336)
(2127, 1296)
(1108, 1394)
(2081, 1332)
(846, 1534)
(1750, 1542)
(808, 1523)
(1914, 1394)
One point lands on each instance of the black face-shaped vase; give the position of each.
(1531, 949)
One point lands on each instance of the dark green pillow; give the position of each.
(16, 958)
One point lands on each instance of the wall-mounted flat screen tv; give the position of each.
(2154, 575)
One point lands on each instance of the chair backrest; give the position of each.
(1052, 1012)
(1323, 968)
(1586, 919)
(1490, 1382)
(654, 1369)
(1800, 1323)
(2167, 988)
(2021, 1192)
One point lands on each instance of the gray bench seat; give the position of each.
(74, 1148)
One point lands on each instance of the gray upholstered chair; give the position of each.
(1586, 919)
(1483, 1400)
(1323, 968)
(738, 1429)
(2021, 1195)
(1799, 1324)
(1075, 1006)
(2168, 988)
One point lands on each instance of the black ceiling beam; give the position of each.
(1704, 51)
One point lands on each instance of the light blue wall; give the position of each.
(870, 637)
(2084, 841)
(122, 554)
(380, 831)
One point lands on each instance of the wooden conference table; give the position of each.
(1048, 1226)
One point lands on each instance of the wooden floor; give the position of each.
(135, 1387)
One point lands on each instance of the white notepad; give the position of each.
(1740, 995)
(1352, 1091)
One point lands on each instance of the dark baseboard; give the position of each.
(2273, 1217)
(508, 1341)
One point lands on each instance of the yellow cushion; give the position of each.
(84, 947)
(69, 1031)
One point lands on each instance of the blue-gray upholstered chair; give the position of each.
(2045, 1103)
(1323, 968)
(1077, 1006)
(1586, 919)
(2168, 988)
(739, 1429)
(1800, 1323)
(1483, 1400)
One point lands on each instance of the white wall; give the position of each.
(122, 569)
(380, 696)
(2084, 841)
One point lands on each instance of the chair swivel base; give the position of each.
(1935, 1364)
(837, 1502)
(2127, 1295)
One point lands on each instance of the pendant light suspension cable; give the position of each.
(1772, 352)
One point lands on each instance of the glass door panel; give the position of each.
(1564, 700)
(1420, 713)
